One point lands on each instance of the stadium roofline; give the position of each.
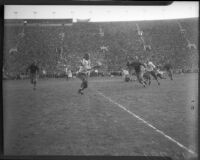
(70, 22)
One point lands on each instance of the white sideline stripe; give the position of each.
(148, 124)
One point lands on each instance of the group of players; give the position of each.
(83, 73)
(143, 71)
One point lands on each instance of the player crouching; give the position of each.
(126, 76)
(160, 73)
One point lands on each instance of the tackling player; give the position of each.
(139, 70)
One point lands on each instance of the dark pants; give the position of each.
(83, 78)
(127, 79)
(33, 78)
(140, 75)
(154, 76)
(147, 77)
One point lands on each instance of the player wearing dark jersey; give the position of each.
(139, 69)
(33, 72)
(168, 68)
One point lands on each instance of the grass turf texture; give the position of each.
(55, 120)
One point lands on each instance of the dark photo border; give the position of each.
(66, 2)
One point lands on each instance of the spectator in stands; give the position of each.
(66, 73)
(69, 74)
(44, 73)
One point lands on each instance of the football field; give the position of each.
(111, 118)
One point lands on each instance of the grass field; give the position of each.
(112, 118)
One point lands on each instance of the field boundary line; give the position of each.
(148, 124)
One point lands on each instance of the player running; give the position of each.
(33, 72)
(151, 69)
(139, 69)
(84, 72)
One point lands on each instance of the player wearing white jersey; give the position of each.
(125, 75)
(151, 68)
(160, 73)
(84, 72)
(85, 65)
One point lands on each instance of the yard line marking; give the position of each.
(148, 124)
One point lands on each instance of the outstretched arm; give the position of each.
(97, 66)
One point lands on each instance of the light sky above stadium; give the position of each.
(177, 10)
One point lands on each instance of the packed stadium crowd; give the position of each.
(57, 48)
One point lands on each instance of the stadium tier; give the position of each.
(60, 43)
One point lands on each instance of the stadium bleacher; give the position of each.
(67, 44)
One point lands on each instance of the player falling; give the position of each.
(33, 72)
(84, 72)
